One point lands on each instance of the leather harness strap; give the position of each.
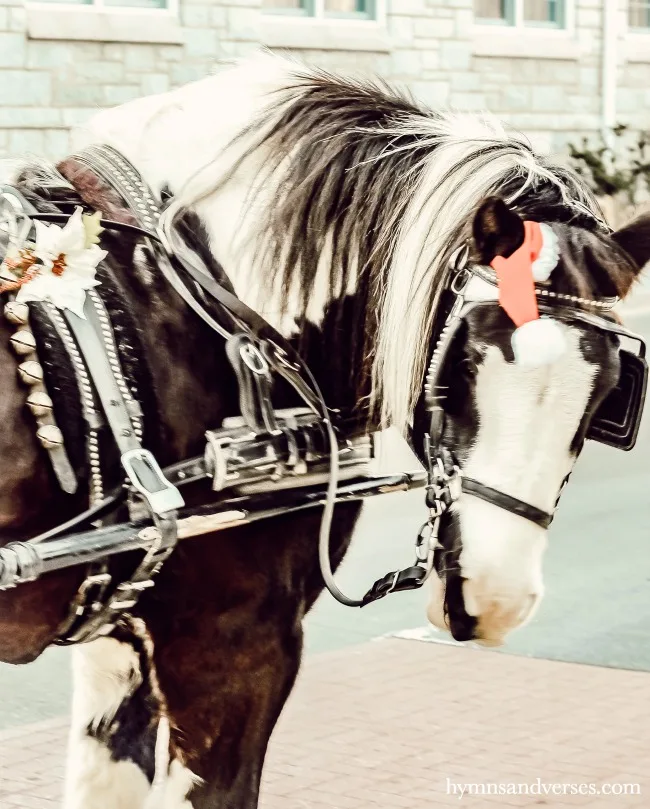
(507, 502)
(255, 350)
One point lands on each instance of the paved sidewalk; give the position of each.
(386, 724)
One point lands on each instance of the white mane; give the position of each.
(456, 178)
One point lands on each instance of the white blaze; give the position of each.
(527, 419)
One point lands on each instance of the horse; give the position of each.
(336, 209)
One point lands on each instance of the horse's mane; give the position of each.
(370, 190)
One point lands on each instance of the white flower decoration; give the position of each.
(67, 265)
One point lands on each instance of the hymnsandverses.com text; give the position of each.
(539, 787)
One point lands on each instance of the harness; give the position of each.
(271, 462)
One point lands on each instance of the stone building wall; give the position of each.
(545, 83)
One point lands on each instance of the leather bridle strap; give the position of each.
(107, 224)
(283, 357)
(506, 502)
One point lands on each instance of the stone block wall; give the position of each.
(432, 47)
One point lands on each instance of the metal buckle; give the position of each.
(220, 455)
(253, 358)
(146, 477)
(82, 605)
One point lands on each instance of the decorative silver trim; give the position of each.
(88, 404)
(490, 276)
(38, 401)
(160, 495)
(108, 338)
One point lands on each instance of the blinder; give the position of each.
(617, 421)
(618, 418)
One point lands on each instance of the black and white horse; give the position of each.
(334, 207)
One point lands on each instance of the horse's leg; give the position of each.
(106, 674)
(226, 618)
(119, 741)
(226, 621)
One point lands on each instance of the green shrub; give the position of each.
(622, 169)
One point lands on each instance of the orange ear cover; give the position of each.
(515, 277)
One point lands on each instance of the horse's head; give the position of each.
(518, 428)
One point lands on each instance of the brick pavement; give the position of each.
(387, 723)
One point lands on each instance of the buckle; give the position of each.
(146, 477)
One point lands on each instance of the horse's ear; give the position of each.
(635, 239)
(497, 230)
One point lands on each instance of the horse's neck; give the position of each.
(171, 139)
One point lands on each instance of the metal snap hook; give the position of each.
(253, 359)
(460, 257)
(460, 280)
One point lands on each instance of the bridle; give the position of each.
(445, 482)
(274, 462)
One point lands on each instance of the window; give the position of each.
(152, 22)
(330, 25)
(545, 13)
(639, 14)
(363, 9)
(112, 3)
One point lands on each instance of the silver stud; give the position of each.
(23, 342)
(16, 312)
(50, 436)
(31, 372)
(39, 403)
